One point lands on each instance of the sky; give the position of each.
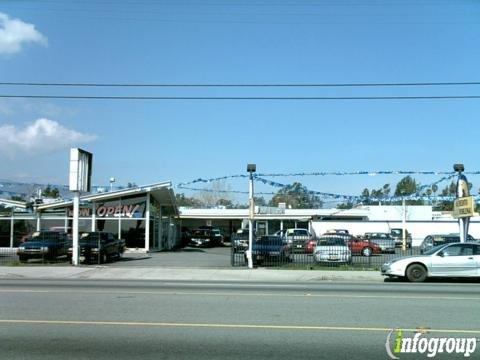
(239, 42)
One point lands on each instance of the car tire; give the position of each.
(103, 258)
(367, 251)
(22, 258)
(416, 273)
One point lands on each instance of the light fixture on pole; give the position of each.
(251, 168)
(463, 206)
(112, 180)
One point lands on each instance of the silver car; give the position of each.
(450, 260)
(332, 249)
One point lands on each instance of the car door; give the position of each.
(454, 260)
(476, 256)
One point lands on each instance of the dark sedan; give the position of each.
(47, 245)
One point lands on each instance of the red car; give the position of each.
(363, 247)
(310, 246)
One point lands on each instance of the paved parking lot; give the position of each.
(218, 257)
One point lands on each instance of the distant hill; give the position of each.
(29, 191)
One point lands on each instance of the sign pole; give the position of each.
(463, 206)
(79, 180)
(251, 168)
(75, 245)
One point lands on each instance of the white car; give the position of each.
(450, 260)
(332, 249)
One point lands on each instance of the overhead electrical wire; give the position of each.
(265, 98)
(299, 85)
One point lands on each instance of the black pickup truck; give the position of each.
(98, 247)
(46, 245)
(271, 248)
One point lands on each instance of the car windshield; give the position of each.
(270, 240)
(331, 241)
(433, 250)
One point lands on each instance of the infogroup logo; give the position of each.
(397, 344)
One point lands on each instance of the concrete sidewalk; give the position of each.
(194, 274)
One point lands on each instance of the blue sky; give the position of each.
(238, 42)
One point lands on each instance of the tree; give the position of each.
(17, 198)
(296, 196)
(51, 192)
(259, 201)
(183, 200)
(406, 186)
(345, 206)
(216, 192)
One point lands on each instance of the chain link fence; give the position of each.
(331, 251)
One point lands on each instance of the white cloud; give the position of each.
(14, 33)
(42, 136)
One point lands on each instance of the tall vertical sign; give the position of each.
(79, 181)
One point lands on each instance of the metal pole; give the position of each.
(76, 208)
(250, 222)
(404, 226)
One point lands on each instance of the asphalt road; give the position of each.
(189, 320)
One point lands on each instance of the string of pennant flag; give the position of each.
(261, 178)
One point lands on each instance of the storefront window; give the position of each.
(133, 232)
(21, 229)
(108, 225)
(5, 232)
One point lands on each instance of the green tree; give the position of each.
(345, 206)
(259, 201)
(297, 196)
(51, 192)
(406, 186)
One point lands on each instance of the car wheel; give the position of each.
(23, 258)
(103, 258)
(367, 251)
(416, 273)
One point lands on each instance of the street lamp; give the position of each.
(112, 180)
(462, 192)
(251, 168)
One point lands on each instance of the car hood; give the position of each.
(37, 244)
(410, 258)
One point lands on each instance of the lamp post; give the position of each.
(462, 192)
(112, 180)
(251, 168)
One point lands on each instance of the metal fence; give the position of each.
(315, 254)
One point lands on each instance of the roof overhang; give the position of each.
(161, 192)
(14, 203)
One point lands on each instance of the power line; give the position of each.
(287, 98)
(464, 83)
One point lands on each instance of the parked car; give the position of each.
(239, 240)
(431, 241)
(44, 245)
(203, 238)
(397, 235)
(99, 247)
(298, 238)
(218, 235)
(448, 260)
(186, 235)
(383, 240)
(332, 249)
(337, 231)
(363, 247)
(270, 248)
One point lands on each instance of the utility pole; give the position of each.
(251, 168)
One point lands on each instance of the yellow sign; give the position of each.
(463, 207)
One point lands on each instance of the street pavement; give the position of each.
(101, 319)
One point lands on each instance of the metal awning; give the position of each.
(161, 192)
